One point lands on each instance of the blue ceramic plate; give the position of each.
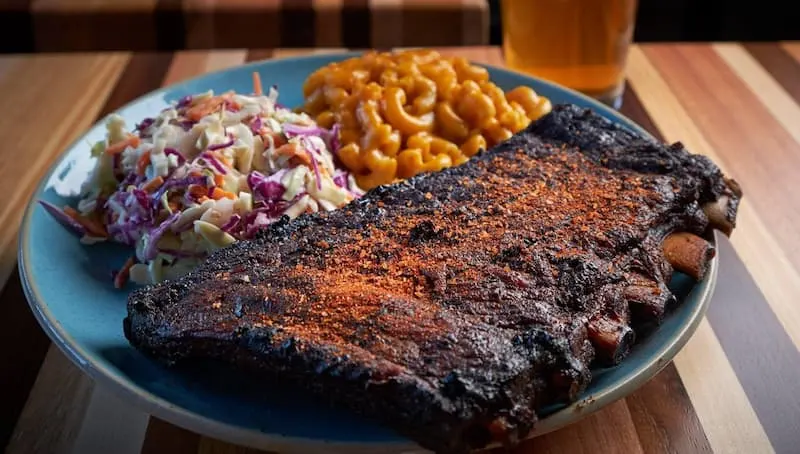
(70, 293)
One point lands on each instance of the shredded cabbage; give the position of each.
(152, 237)
(205, 172)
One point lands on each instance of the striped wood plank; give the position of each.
(717, 397)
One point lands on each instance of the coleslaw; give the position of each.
(205, 172)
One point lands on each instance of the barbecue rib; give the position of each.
(451, 307)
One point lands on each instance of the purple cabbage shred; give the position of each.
(292, 130)
(256, 125)
(184, 102)
(267, 188)
(220, 146)
(151, 251)
(62, 218)
(181, 182)
(146, 123)
(232, 223)
(214, 162)
(333, 139)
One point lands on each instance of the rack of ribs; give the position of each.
(453, 306)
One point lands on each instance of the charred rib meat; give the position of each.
(454, 305)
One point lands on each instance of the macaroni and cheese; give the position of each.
(414, 111)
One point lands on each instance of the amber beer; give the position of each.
(581, 44)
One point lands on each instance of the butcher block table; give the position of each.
(734, 388)
(149, 25)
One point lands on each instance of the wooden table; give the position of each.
(734, 388)
(171, 25)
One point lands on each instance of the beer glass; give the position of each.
(581, 44)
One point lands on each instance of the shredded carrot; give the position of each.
(277, 138)
(142, 163)
(295, 153)
(92, 227)
(120, 146)
(218, 193)
(202, 199)
(209, 106)
(197, 190)
(218, 180)
(153, 184)
(225, 161)
(123, 274)
(230, 103)
(257, 88)
(289, 149)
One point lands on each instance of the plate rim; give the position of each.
(160, 407)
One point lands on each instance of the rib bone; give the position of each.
(611, 338)
(688, 253)
(717, 213)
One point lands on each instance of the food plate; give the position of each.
(67, 285)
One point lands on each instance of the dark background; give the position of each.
(166, 27)
(703, 20)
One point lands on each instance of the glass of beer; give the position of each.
(581, 44)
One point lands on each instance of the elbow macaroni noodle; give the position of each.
(414, 111)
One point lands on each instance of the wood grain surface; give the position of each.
(734, 388)
(151, 25)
